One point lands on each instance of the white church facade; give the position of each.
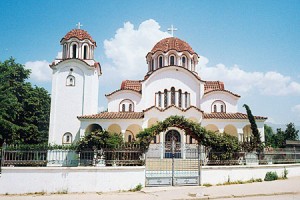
(171, 86)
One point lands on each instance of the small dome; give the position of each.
(79, 34)
(172, 43)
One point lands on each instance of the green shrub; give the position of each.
(271, 176)
(137, 188)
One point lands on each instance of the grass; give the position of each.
(137, 188)
(252, 180)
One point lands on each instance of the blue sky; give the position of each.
(252, 46)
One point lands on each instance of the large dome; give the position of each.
(172, 43)
(79, 34)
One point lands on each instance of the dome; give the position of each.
(172, 43)
(79, 34)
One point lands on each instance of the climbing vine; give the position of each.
(207, 138)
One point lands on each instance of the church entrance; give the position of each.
(172, 144)
(173, 161)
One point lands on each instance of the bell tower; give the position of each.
(74, 86)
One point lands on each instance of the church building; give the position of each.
(171, 86)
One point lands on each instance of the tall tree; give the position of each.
(24, 110)
(256, 141)
(290, 132)
(270, 137)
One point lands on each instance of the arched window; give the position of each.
(172, 95)
(85, 52)
(160, 61)
(191, 140)
(154, 140)
(67, 138)
(172, 60)
(152, 65)
(222, 108)
(70, 80)
(74, 50)
(126, 105)
(183, 60)
(129, 138)
(130, 107)
(215, 108)
(159, 99)
(186, 99)
(179, 98)
(165, 98)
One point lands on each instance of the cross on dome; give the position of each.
(78, 25)
(172, 29)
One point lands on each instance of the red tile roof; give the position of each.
(114, 115)
(80, 34)
(237, 115)
(131, 85)
(213, 85)
(172, 43)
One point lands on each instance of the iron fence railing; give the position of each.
(119, 156)
(134, 156)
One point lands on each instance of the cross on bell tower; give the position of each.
(172, 29)
(78, 25)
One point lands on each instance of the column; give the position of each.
(183, 150)
(162, 142)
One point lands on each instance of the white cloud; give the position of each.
(129, 46)
(40, 70)
(269, 83)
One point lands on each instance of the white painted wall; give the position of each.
(68, 102)
(216, 174)
(176, 77)
(230, 101)
(20, 180)
(115, 99)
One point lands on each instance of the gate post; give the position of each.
(173, 149)
(199, 164)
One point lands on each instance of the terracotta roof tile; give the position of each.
(79, 34)
(131, 85)
(114, 115)
(237, 115)
(213, 85)
(172, 43)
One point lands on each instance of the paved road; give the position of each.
(274, 190)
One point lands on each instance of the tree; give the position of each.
(270, 137)
(99, 139)
(255, 142)
(24, 110)
(280, 139)
(290, 132)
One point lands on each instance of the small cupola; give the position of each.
(78, 43)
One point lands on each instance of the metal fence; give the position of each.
(131, 155)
